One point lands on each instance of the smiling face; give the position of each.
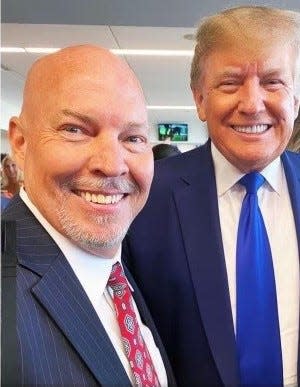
(10, 169)
(247, 97)
(84, 148)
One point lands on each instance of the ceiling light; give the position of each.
(153, 52)
(48, 50)
(172, 107)
(12, 49)
(41, 50)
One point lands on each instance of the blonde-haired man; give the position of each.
(218, 288)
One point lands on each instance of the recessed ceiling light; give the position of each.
(47, 50)
(12, 49)
(41, 50)
(170, 107)
(153, 52)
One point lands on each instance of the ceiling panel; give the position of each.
(165, 80)
(52, 35)
(154, 13)
(153, 37)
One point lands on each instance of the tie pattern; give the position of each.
(257, 327)
(134, 345)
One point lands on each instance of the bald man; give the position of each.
(82, 142)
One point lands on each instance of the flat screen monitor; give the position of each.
(173, 131)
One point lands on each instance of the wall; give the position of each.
(5, 148)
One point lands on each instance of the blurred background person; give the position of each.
(160, 151)
(11, 180)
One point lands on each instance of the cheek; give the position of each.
(61, 161)
(283, 105)
(45, 168)
(219, 107)
(141, 169)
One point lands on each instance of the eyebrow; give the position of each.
(82, 117)
(90, 121)
(271, 73)
(229, 73)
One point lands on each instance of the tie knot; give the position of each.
(252, 182)
(117, 280)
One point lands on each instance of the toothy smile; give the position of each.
(251, 129)
(100, 198)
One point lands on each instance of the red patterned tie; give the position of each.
(135, 347)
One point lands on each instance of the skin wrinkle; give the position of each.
(83, 127)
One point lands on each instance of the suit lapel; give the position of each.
(198, 213)
(291, 163)
(62, 295)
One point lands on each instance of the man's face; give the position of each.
(88, 164)
(247, 97)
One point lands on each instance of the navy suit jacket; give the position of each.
(61, 340)
(176, 253)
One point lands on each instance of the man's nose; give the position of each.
(251, 98)
(108, 158)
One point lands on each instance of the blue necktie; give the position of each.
(257, 328)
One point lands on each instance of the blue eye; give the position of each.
(74, 133)
(135, 139)
(73, 129)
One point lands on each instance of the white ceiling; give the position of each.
(125, 24)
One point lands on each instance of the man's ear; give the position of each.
(200, 103)
(17, 141)
(296, 105)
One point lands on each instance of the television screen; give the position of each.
(174, 132)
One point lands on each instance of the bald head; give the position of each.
(82, 142)
(51, 74)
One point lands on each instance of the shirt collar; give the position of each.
(91, 270)
(227, 175)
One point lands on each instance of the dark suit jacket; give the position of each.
(61, 340)
(176, 253)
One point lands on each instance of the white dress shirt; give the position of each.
(275, 205)
(93, 272)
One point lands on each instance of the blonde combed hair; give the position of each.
(244, 24)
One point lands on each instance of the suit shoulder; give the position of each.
(169, 169)
(293, 159)
(15, 207)
(293, 155)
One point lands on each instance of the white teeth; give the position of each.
(251, 129)
(88, 196)
(101, 199)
